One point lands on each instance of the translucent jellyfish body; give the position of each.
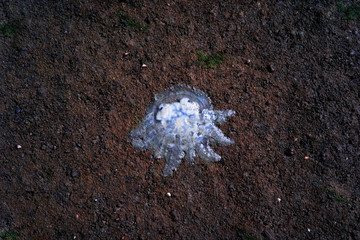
(181, 123)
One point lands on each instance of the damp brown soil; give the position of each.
(76, 77)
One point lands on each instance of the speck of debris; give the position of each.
(279, 199)
(271, 68)
(306, 157)
(144, 66)
(75, 173)
(18, 146)
(290, 152)
(168, 194)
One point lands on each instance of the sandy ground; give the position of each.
(73, 84)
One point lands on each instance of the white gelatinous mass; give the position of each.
(181, 123)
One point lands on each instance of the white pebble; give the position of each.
(144, 66)
(279, 199)
(309, 230)
(168, 194)
(18, 146)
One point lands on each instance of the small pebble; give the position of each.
(309, 230)
(168, 194)
(144, 66)
(306, 158)
(18, 146)
(248, 61)
(271, 68)
(126, 54)
(279, 199)
(290, 152)
(75, 173)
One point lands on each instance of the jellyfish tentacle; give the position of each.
(171, 163)
(207, 153)
(222, 115)
(217, 136)
(190, 155)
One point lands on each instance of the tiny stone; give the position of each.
(18, 146)
(248, 61)
(306, 158)
(290, 152)
(75, 173)
(42, 91)
(269, 234)
(126, 54)
(174, 215)
(279, 199)
(271, 68)
(168, 194)
(309, 230)
(144, 66)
